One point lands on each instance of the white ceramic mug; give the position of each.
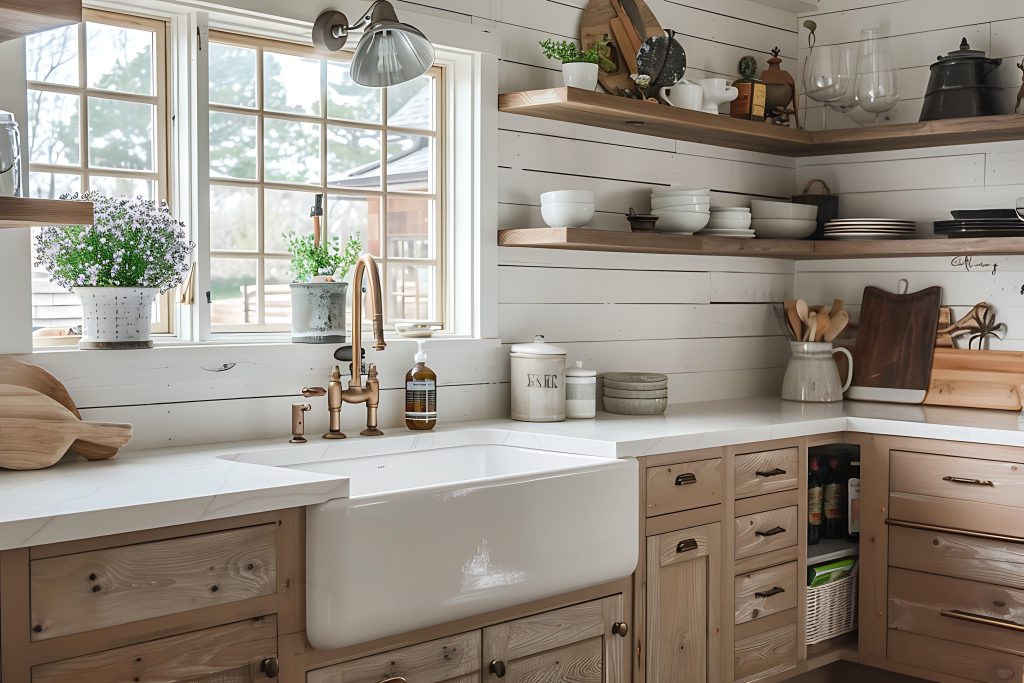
(717, 92)
(684, 94)
(812, 375)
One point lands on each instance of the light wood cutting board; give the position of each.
(596, 23)
(977, 379)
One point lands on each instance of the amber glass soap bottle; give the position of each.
(420, 394)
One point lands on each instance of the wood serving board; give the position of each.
(596, 23)
(977, 379)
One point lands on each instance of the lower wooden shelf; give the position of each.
(26, 212)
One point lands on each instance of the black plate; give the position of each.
(975, 214)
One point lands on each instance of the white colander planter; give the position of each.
(116, 317)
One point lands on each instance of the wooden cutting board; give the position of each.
(977, 379)
(37, 431)
(596, 23)
(892, 360)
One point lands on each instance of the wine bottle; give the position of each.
(853, 501)
(834, 500)
(814, 502)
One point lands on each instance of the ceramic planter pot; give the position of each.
(318, 312)
(116, 317)
(581, 75)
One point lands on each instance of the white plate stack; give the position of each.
(870, 229)
(681, 210)
(729, 222)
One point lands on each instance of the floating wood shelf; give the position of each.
(620, 113)
(23, 212)
(19, 18)
(659, 243)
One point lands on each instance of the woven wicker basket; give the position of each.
(831, 609)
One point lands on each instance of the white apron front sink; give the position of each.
(432, 536)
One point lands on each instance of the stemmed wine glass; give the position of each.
(877, 89)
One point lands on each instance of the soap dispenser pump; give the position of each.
(420, 394)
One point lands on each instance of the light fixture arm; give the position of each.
(332, 28)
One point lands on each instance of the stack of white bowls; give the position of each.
(635, 393)
(783, 220)
(567, 208)
(680, 209)
(729, 222)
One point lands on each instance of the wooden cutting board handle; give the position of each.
(110, 434)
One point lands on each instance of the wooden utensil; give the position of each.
(803, 312)
(21, 373)
(822, 321)
(812, 326)
(837, 305)
(795, 324)
(596, 24)
(36, 431)
(837, 324)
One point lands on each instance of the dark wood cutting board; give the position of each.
(892, 360)
(596, 23)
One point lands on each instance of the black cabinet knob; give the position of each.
(620, 628)
(270, 667)
(498, 668)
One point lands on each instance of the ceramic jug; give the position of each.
(684, 94)
(812, 375)
(717, 92)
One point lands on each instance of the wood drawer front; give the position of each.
(928, 605)
(767, 472)
(765, 592)
(766, 531)
(684, 486)
(226, 654)
(943, 476)
(957, 555)
(92, 590)
(955, 659)
(765, 653)
(438, 661)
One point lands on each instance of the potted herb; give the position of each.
(134, 249)
(319, 291)
(579, 67)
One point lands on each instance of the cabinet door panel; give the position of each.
(943, 476)
(766, 472)
(974, 663)
(958, 555)
(765, 592)
(766, 653)
(438, 661)
(766, 531)
(577, 663)
(684, 486)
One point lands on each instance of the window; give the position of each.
(97, 96)
(286, 123)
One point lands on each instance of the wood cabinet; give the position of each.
(446, 660)
(763, 532)
(684, 486)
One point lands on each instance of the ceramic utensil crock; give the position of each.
(538, 382)
(812, 375)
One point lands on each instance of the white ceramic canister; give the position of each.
(10, 156)
(538, 382)
(580, 392)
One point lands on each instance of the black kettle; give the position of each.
(958, 85)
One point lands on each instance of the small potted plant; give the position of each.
(579, 67)
(319, 291)
(134, 249)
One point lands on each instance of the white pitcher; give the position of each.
(717, 92)
(684, 94)
(812, 375)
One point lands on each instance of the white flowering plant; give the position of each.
(131, 243)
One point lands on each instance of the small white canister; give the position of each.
(580, 392)
(538, 382)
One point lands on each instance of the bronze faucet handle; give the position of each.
(371, 375)
(299, 422)
(309, 392)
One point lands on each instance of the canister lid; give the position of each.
(539, 347)
(6, 117)
(577, 370)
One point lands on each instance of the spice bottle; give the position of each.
(420, 394)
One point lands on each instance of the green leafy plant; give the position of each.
(567, 52)
(747, 67)
(327, 258)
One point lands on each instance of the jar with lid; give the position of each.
(538, 382)
(10, 156)
(580, 392)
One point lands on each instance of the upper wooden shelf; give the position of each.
(23, 212)
(19, 18)
(620, 113)
(660, 243)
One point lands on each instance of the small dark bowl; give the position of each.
(641, 222)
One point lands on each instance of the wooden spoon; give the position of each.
(837, 305)
(803, 311)
(795, 326)
(837, 325)
(37, 431)
(812, 326)
(821, 326)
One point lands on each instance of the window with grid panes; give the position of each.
(97, 97)
(286, 123)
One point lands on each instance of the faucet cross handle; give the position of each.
(309, 392)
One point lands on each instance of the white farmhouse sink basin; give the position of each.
(436, 535)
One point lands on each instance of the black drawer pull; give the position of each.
(972, 482)
(770, 473)
(687, 545)
(686, 478)
(770, 592)
(771, 532)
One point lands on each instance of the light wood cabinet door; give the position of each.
(684, 486)
(585, 643)
(764, 532)
(446, 660)
(684, 586)
(766, 472)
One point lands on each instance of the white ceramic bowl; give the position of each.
(783, 228)
(635, 406)
(742, 210)
(681, 221)
(567, 197)
(567, 215)
(688, 200)
(729, 221)
(677, 190)
(635, 381)
(692, 208)
(761, 208)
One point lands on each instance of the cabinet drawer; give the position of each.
(766, 531)
(957, 555)
(765, 653)
(767, 472)
(968, 612)
(235, 652)
(954, 659)
(943, 476)
(765, 592)
(684, 486)
(92, 590)
(445, 660)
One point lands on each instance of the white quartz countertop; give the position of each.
(148, 489)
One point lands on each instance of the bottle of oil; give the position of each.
(420, 394)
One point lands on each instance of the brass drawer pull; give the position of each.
(771, 532)
(951, 530)
(982, 619)
(687, 545)
(972, 482)
(395, 679)
(770, 592)
(686, 478)
(771, 473)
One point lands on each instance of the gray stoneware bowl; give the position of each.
(635, 381)
(626, 393)
(635, 406)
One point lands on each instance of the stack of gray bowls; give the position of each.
(635, 393)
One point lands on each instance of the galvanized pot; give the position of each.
(318, 312)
